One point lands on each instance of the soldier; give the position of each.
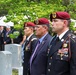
(30, 40)
(38, 60)
(62, 54)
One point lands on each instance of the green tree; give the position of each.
(20, 11)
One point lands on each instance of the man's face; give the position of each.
(27, 31)
(57, 25)
(39, 30)
(1, 27)
(8, 29)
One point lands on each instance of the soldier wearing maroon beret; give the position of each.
(38, 59)
(60, 15)
(62, 53)
(28, 45)
(29, 24)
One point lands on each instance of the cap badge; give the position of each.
(54, 15)
(37, 21)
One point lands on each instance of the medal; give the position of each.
(26, 49)
(65, 45)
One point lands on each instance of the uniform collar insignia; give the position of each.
(42, 42)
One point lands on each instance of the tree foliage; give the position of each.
(20, 11)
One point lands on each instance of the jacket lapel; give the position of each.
(28, 41)
(40, 46)
(53, 49)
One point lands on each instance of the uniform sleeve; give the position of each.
(73, 58)
(33, 44)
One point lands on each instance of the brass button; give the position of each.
(49, 63)
(61, 58)
(50, 57)
(49, 70)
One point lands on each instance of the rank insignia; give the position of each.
(54, 15)
(72, 36)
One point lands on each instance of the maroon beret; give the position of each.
(29, 24)
(41, 21)
(59, 15)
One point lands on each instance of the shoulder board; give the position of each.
(33, 39)
(72, 37)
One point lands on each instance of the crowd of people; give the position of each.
(5, 38)
(44, 54)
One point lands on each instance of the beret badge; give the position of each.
(37, 21)
(54, 15)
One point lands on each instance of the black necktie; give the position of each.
(57, 39)
(54, 42)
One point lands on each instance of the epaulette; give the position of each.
(72, 37)
(33, 39)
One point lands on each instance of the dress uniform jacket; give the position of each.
(29, 46)
(62, 63)
(39, 61)
(2, 38)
